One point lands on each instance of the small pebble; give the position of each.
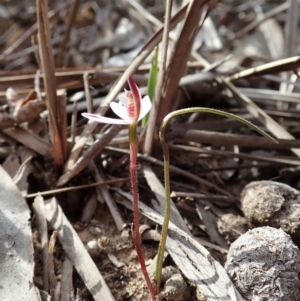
(267, 203)
(264, 264)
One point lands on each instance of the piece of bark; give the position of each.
(209, 220)
(16, 249)
(108, 199)
(18, 166)
(39, 209)
(77, 253)
(159, 192)
(89, 209)
(31, 140)
(66, 280)
(27, 113)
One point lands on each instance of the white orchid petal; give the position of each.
(103, 119)
(119, 110)
(146, 106)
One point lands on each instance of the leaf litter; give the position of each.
(86, 51)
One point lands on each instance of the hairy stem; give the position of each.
(135, 196)
(164, 145)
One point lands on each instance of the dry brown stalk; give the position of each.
(180, 56)
(55, 109)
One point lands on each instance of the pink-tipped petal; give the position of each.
(119, 110)
(103, 119)
(136, 97)
(146, 106)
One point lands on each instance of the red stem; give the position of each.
(136, 235)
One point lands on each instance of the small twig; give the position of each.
(200, 196)
(89, 101)
(89, 155)
(73, 122)
(89, 209)
(275, 46)
(227, 154)
(180, 132)
(31, 140)
(12, 29)
(22, 169)
(23, 38)
(291, 42)
(210, 222)
(143, 11)
(66, 189)
(270, 14)
(37, 84)
(275, 128)
(66, 280)
(287, 64)
(70, 22)
(62, 121)
(51, 272)
(160, 79)
(108, 198)
(39, 209)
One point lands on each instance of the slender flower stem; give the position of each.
(134, 189)
(164, 145)
(131, 108)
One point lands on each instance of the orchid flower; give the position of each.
(131, 108)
